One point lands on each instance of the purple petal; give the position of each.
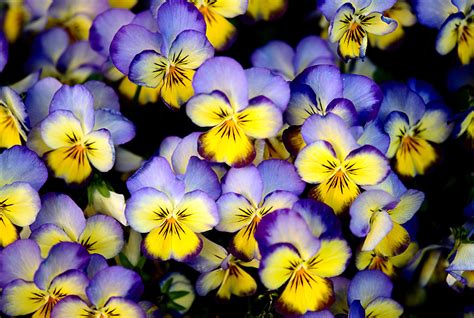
(329, 7)
(380, 5)
(276, 56)
(286, 226)
(356, 310)
(302, 104)
(61, 8)
(391, 184)
(62, 257)
(262, 82)
(105, 26)
(78, 100)
(120, 304)
(326, 82)
(246, 181)
(67, 306)
(311, 51)
(105, 285)
(368, 285)
(146, 20)
(80, 54)
(121, 129)
(365, 94)
(398, 97)
(200, 176)
(373, 135)
(167, 149)
(3, 51)
(193, 44)
(320, 218)
(61, 210)
(280, 175)
(185, 149)
(19, 260)
(345, 109)
(38, 99)
(426, 91)
(96, 263)
(104, 96)
(129, 41)
(176, 16)
(156, 173)
(214, 74)
(48, 47)
(432, 13)
(18, 163)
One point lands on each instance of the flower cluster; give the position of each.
(304, 179)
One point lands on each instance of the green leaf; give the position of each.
(177, 294)
(124, 261)
(174, 306)
(166, 286)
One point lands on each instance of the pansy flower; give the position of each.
(22, 174)
(249, 195)
(352, 21)
(288, 62)
(13, 118)
(379, 213)
(335, 162)
(369, 295)
(225, 106)
(301, 262)
(112, 292)
(414, 129)
(61, 220)
(219, 30)
(455, 21)
(55, 56)
(402, 13)
(222, 271)
(38, 284)
(170, 211)
(165, 60)
(73, 137)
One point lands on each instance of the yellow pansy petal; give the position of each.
(433, 126)
(305, 292)
(72, 282)
(236, 282)
(228, 8)
(353, 43)
(71, 307)
(466, 44)
(409, 203)
(100, 150)
(20, 203)
(317, 162)
(126, 4)
(22, 298)
(60, 129)
(78, 26)
(385, 41)
(338, 191)
(366, 166)
(380, 225)
(219, 31)
(172, 241)
(102, 235)
(402, 259)
(448, 35)
(395, 242)
(9, 129)
(266, 10)
(68, 164)
(209, 110)
(383, 307)
(227, 143)
(331, 259)
(146, 94)
(244, 243)
(8, 231)
(210, 281)
(414, 156)
(235, 212)
(49, 235)
(149, 69)
(401, 11)
(123, 307)
(15, 17)
(376, 23)
(197, 211)
(177, 88)
(279, 265)
(261, 119)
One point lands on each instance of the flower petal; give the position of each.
(209, 110)
(261, 119)
(48, 235)
(312, 50)
(104, 96)
(61, 129)
(105, 285)
(102, 235)
(320, 218)
(316, 162)
(100, 149)
(121, 129)
(125, 308)
(331, 259)
(409, 203)
(190, 49)
(376, 23)
(245, 181)
(262, 82)
(369, 285)
(70, 306)
(276, 266)
(366, 165)
(149, 69)
(22, 298)
(234, 211)
(147, 209)
(200, 176)
(19, 261)
(211, 256)
(384, 307)
(20, 203)
(395, 242)
(276, 56)
(380, 225)
(280, 175)
(39, 98)
(238, 283)
(197, 211)
(433, 126)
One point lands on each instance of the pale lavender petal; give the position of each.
(104, 96)
(105, 26)
(214, 75)
(276, 56)
(168, 147)
(365, 94)
(96, 263)
(62, 257)
(311, 51)
(121, 129)
(146, 19)
(105, 285)
(80, 55)
(18, 163)
(245, 181)
(368, 285)
(128, 42)
(345, 109)
(78, 100)
(391, 184)
(398, 97)
(262, 82)
(320, 218)
(302, 104)
(48, 47)
(19, 260)
(374, 135)
(38, 99)
(200, 176)
(185, 149)
(280, 175)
